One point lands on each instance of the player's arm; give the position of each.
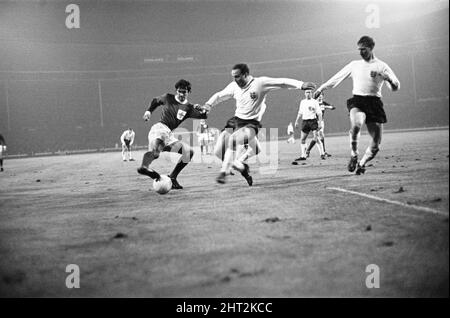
(132, 138)
(218, 98)
(122, 138)
(389, 76)
(155, 103)
(335, 80)
(328, 106)
(271, 83)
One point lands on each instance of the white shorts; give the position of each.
(161, 131)
(2, 149)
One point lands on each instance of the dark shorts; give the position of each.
(236, 123)
(372, 106)
(127, 143)
(309, 125)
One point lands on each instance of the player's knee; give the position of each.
(153, 153)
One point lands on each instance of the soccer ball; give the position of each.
(163, 185)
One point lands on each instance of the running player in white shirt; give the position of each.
(309, 111)
(250, 95)
(127, 140)
(368, 76)
(321, 135)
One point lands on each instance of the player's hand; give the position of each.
(316, 94)
(296, 124)
(308, 86)
(206, 108)
(147, 116)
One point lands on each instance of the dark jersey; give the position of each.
(203, 129)
(322, 108)
(2, 140)
(174, 113)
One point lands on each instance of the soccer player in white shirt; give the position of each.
(311, 114)
(321, 135)
(250, 95)
(365, 106)
(127, 140)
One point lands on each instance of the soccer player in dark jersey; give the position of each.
(323, 106)
(176, 109)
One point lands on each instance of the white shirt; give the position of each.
(129, 135)
(250, 100)
(363, 83)
(309, 109)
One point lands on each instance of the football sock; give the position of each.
(227, 161)
(303, 149)
(354, 144)
(311, 145)
(368, 155)
(320, 146)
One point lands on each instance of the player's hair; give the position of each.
(242, 67)
(183, 84)
(367, 41)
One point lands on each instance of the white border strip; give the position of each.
(412, 206)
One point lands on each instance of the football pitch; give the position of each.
(307, 230)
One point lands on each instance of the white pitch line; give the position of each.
(412, 206)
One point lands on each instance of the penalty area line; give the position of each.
(412, 206)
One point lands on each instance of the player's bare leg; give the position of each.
(319, 144)
(357, 119)
(221, 146)
(303, 137)
(186, 153)
(375, 130)
(124, 149)
(155, 148)
(130, 157)
(244, 136)
(245, 152)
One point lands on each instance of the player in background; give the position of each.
(368, 75)
(2, 150)
(311, 115)
(127, 139)
(321, 135)
(203, 137)
(176, 109)
(290, 132)
(250, 94)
